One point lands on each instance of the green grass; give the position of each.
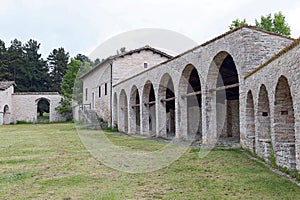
(43, 119)
(48, 161)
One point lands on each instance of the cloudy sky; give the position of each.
(81, 26)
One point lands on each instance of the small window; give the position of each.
(86, 94)
(265, 114)
(93, 100)
(145, 65)
(105, 88)
(99, 91)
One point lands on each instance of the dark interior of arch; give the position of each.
(137, 97)
(227, 76)
(43, 107)
(170, 109)
(151, 94)
(170, 94)
(137, 111)
(194, 107)
(230, 98)
(194, 86)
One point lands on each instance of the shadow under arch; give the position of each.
(222, 100)
(43, 110)
(190, 102)
(149, 109)
(284, 125)
(115, 111)
(135, 110)
(123, 111)
(166, 95)
(250, 123)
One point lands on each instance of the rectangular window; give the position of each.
(145, 65)
(105, 88)
(93, 100)
(99, 91)
(86, 94)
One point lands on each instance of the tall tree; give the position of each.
(57, 62)
(72, 86)
(237, 23)
(15, 60)
(4, 71)
(35, 77)
(276, 24)
(70, 77)
(82, 58)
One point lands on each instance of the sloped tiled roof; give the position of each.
(6, 84)
(145, 48)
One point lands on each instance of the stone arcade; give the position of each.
(249, 76)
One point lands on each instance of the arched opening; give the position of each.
(43, 110)
(263, 127)
(284, 125)
(149, 110)
(223, 100)
(6, 115)
(167, 100)
(115, 114)
(190, 104)
(135, 110)
(123, 111)
(250, 124)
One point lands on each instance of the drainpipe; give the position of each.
(111, 82)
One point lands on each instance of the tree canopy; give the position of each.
(276, 24)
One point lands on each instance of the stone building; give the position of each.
(16, 107)
(98, 82)
(240, 87)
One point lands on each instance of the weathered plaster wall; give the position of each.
(6, 100)
(25, 106)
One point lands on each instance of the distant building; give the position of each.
(23, 106)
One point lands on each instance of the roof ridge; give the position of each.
(146, 47)
(207, 43)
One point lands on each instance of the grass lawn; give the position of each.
(48, 161)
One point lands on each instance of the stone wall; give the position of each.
(6, 103)
(25, 106)
(278, 107)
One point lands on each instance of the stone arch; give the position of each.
(222, 100)
(190, 102)
(123, 111)
(250, 122)
(115, 108)
(42, 107)
(6, 114)
(166, 94)
(149, 109)
(135, 111)
(284, 125)
(263, 128)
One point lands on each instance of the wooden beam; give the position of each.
(149, 103)
(225, 87)
(135, 105)
(168, 99)
(191, 94)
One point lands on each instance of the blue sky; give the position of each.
(81, 26)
